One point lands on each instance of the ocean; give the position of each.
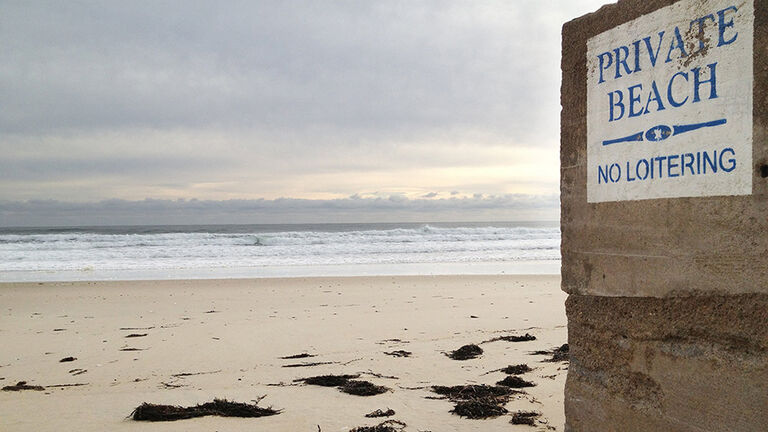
(290, 250)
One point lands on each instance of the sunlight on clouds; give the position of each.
(212, 164)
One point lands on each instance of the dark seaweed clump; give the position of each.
(558, 354)
(525, 418)
(385, 426)
(516, 369)
(219, 407)
(478, 409)
(22, 385)
(347, 384)
(474, 391)
(513, 381)
(466, 352)
(328, 380)
(477, 401)
(362, 388)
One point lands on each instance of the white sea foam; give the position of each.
(107, 251)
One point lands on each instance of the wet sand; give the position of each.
(187, 342)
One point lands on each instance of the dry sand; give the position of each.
(232, 333)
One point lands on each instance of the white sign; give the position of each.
(669, 104)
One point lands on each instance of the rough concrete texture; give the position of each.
(668, 305)
(687, 364)
(658, 247)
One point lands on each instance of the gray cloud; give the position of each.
(59, 168)
(372, 66)
(392, 208)
(269, 98)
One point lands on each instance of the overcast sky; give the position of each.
(449, 109)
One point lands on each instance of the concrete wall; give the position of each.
(668, 298)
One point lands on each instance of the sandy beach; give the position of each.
(196, 340)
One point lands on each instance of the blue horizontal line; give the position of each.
(678, 129)
(636, 137)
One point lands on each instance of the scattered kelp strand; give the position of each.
(308, 364)
(67, 359)
(298, 356)
(398, 353)
(135, 335)
(186, 374)
(219, 407)
(386, 426)
(513, 338)
(385, 341)
(378, 375)
(66, 385)
(466, 352)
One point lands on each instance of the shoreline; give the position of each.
(521, 267)
(224, 338)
